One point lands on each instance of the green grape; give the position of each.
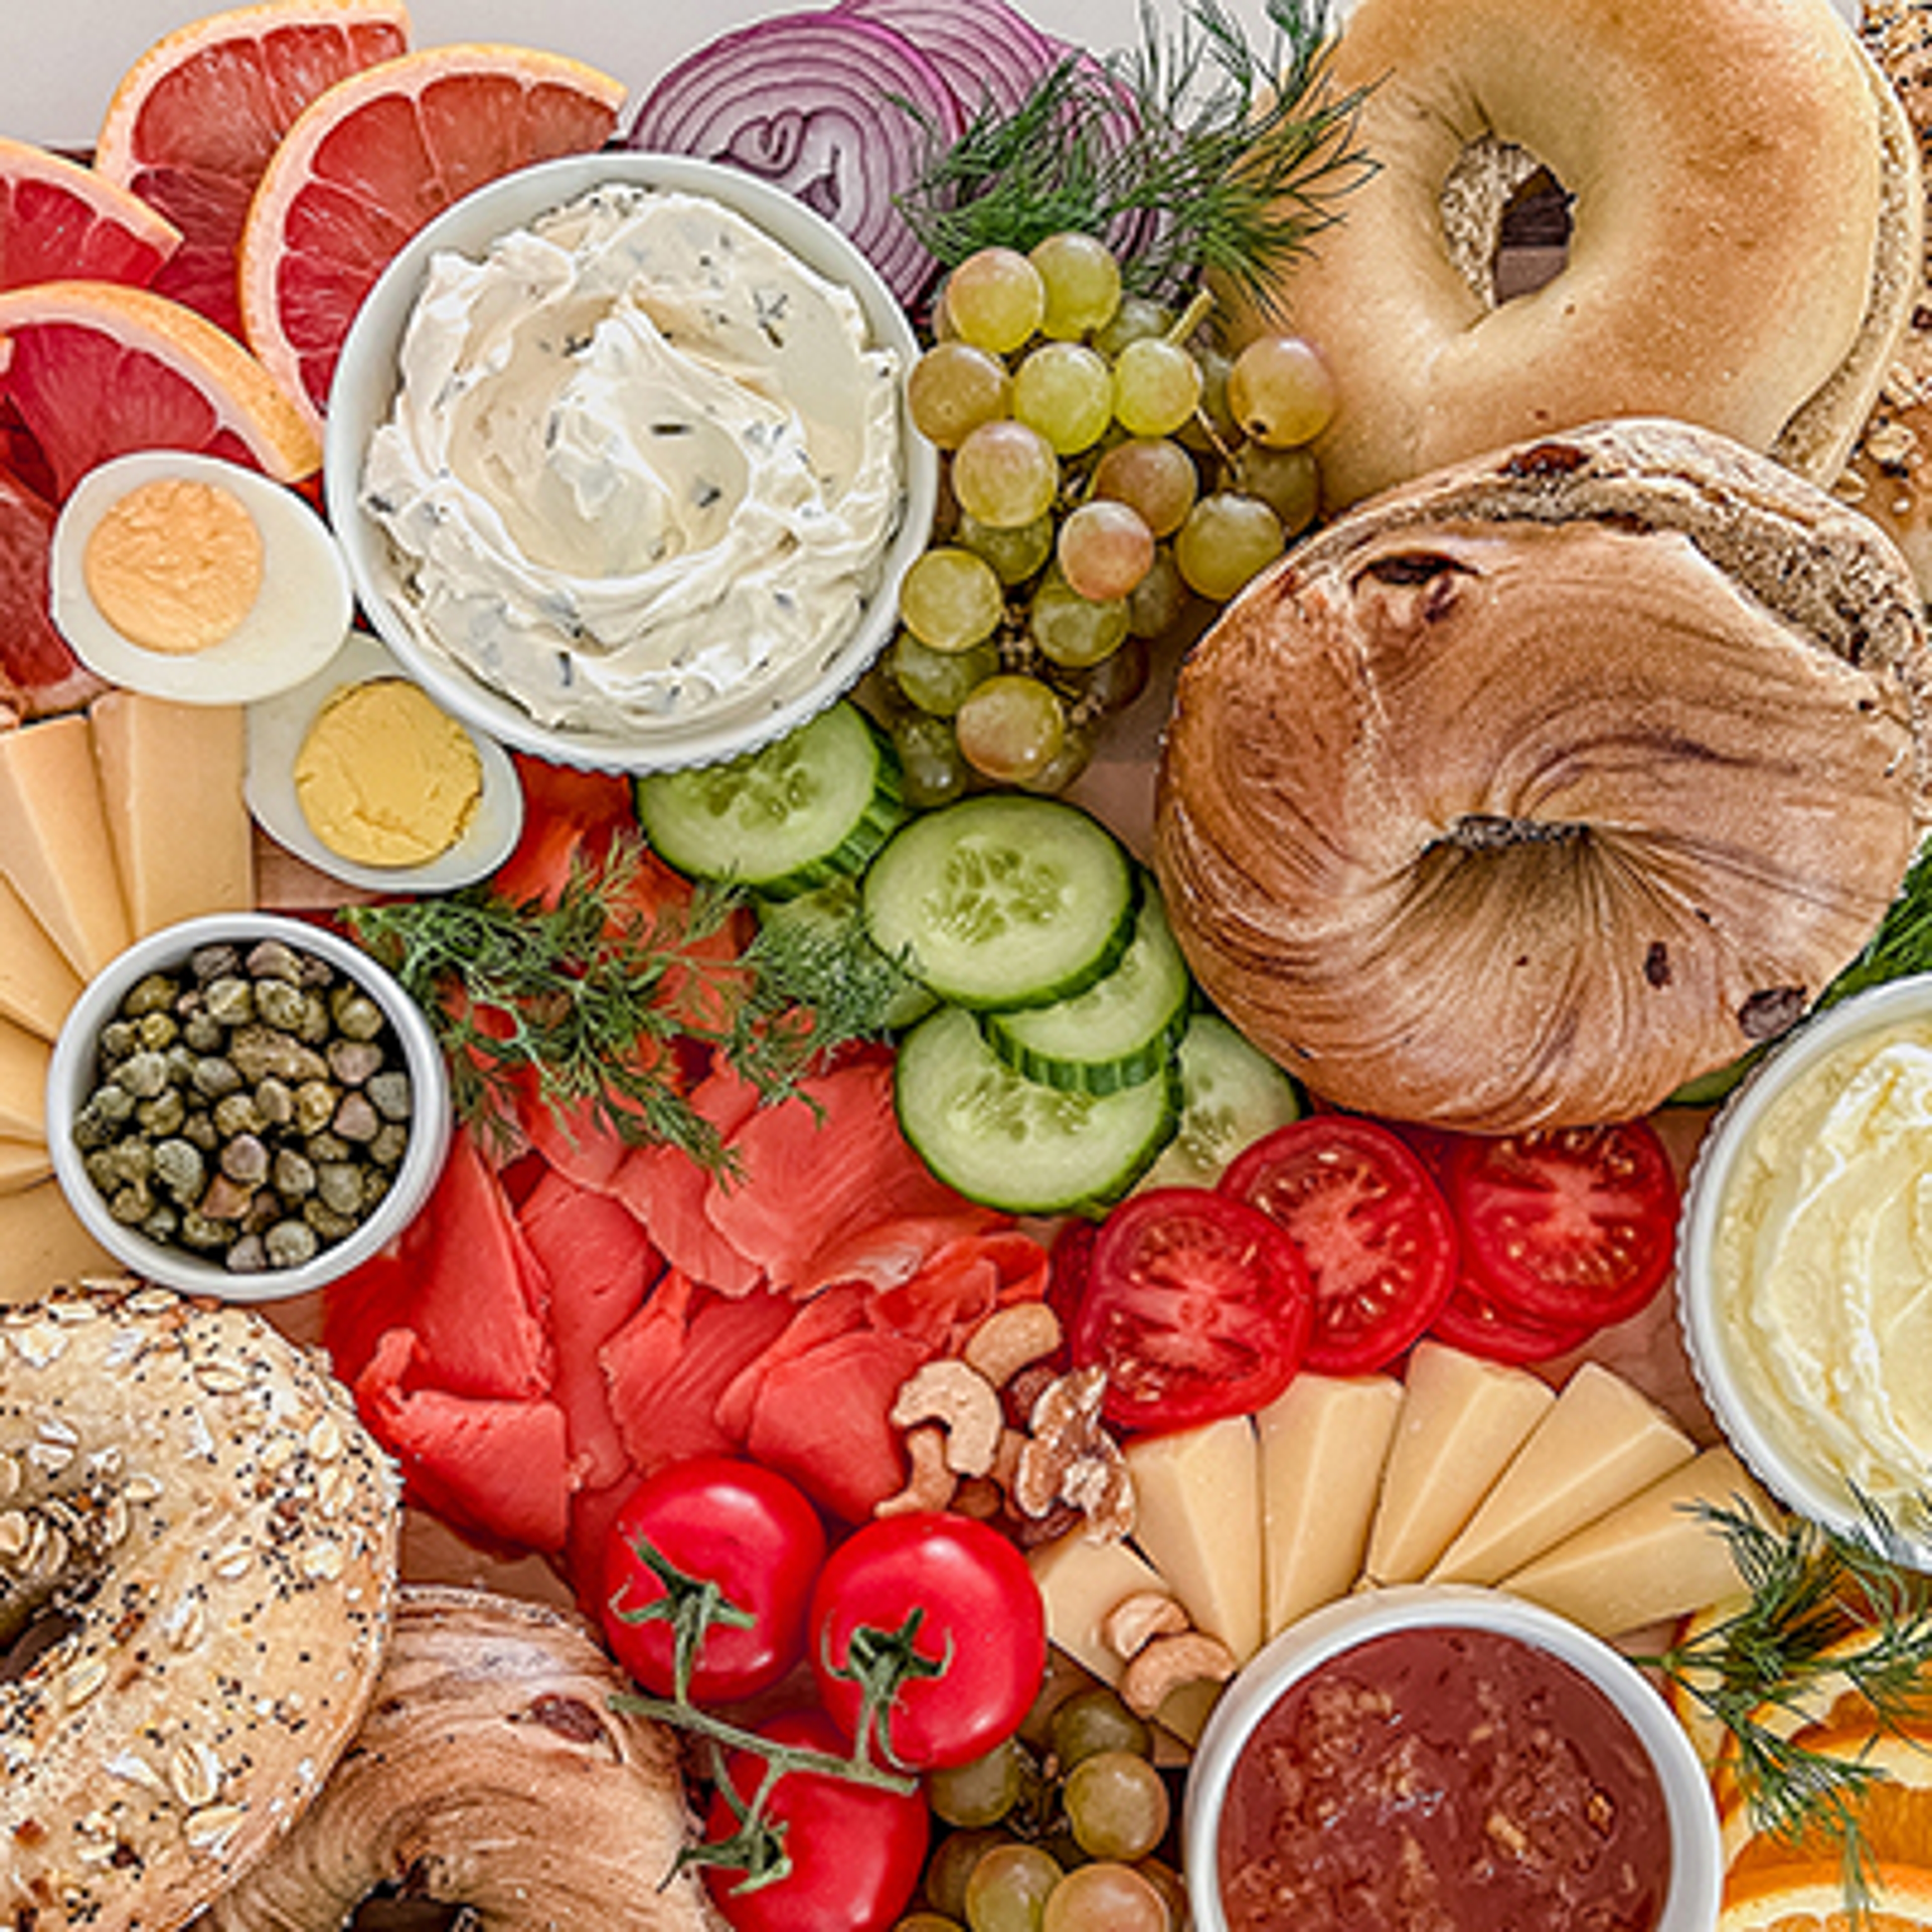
(952, 389)
(1066, 391)
(1008, 1890)
(996, 299)
(1226, 539)
(1117, 1803)
(1172, 1886)
(981, 1792)
(1156, 384)
(1213, 426)
(1005, 474)
(1075, 755)
(1095, 1719)
(1083, 284)
(1107, 689)
(1280, 392)
(1011, 729)
(931, 771)
(951, 1865)
(1105, 1897)
(1154, 477)
(950, 599)
(1015, 554)
(1158, 598)
(939, 681)
(1104, 549)
(1136, 316)
(1288, 480)
(1072, 630)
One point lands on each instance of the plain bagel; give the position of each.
(1744, 243)
(197, 1560)
(1518, 797)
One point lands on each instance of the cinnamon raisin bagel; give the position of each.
(1518, 796)
(1744, 247)
(197, 1557)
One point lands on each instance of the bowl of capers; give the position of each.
(246, 1105)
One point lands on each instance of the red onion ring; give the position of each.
(987, 53)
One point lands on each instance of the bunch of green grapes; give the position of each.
(1106, 467)
(1060, 1834)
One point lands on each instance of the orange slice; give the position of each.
(1895, 1814)
(59, 218)
(95, 369)
(374, 157)
(195, 120)
(1807, 1898)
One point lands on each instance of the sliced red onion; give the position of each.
(811, 102)
(988, 54)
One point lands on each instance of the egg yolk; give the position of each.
(174, 565)
(384, 777)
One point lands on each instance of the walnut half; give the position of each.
(1069, 1460)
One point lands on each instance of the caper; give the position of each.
(98, 1163)
(319, 1147)
(338, 1187)
(198, 1231)
(163, 1114)
(290, 1243)
(162, 1224)
(355, 1119)
(274, 1102)
(263, 1212)
(375, 1185)
(200, 1129)
(226, 1199)
(143, 1075)
(132, 1159)
(390, 1144)
(157, 1031)
(293, 1174)
(326, 1222)
(221, 962)
(270, 959)
(391, 1092)
(119, 1038)
(180, 1168)
(231, 1002)
(215, 1077)
(281, 1004)
(357, 1015)
(154, 994)
(245, 1159)
(249, 1255)
(204, 1032)
(352, 1061)
(131, 1205)
(315, 1106)
(237, 1113)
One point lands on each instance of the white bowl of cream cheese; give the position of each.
(1804, 1264)
(618, 454)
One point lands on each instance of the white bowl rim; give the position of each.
(1697, 1864)
(364, 375)
(69, 1069)
(1726, 1137)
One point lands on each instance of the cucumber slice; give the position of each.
(1230, 1095)
(830, 917)
(1016, 1145)
(1122, 1031)
(1005, 900)
(811, 807)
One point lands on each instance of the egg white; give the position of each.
(297, 623)
(277, 727)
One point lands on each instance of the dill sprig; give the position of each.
(1196, 153)
(1824, 1609)
(590, 996)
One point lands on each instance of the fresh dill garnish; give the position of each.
(1207, 156)
(591, 996)
(1826, 1611)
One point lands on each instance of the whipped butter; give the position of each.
(642, 461)
(1822, 1267)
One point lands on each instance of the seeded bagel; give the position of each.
(197, 1563)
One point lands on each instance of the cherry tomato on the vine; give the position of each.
(941, 1615)
(715, 1520)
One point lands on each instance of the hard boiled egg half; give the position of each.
(186, 577)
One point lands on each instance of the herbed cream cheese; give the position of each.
(1823, 1269)
(642, 460)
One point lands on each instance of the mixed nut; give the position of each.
(251, 1107)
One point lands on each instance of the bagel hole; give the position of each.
(1506, 221)
(1534, 245)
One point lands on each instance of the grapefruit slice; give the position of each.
(372, 159)
(195, 120)
(39, 675)
(59, 218)
(95, 371)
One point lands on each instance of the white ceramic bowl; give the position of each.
(364, 387)
(70, 1077)
(1742, 1411)
(1696, 1867)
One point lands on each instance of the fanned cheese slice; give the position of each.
(23, 1084)
(42, 1242)
(1323, 1445)
(1198, 1520)
(1462, 1419)
(1602, 1442)
(1653, 1558)
(171, 785)
(54, 840)
(37, 985)
(21, 1164)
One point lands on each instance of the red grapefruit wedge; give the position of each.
(57, 218)
(38, 673)
(95, 370)
(372, 160)
(195, 120)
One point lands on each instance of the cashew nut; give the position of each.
(1135, 1621)
(932, 1483)
(1169, 1662)
(1009, 1339)
(963, 1403)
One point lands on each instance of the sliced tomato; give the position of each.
(1371, 1225)
(1197, 1305)
(1570, 1227)
(1470, 1320)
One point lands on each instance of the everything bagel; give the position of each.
(1743, 249)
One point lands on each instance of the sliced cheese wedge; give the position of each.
(1602, 1442)
(1462, 1419)
(1652, 1559)
(54, 842)
(171, 785)
(1323, 1445)
(21, 1164)
(37, 985)
(42, 1242)
(1198, 1520)
(23, 1083)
